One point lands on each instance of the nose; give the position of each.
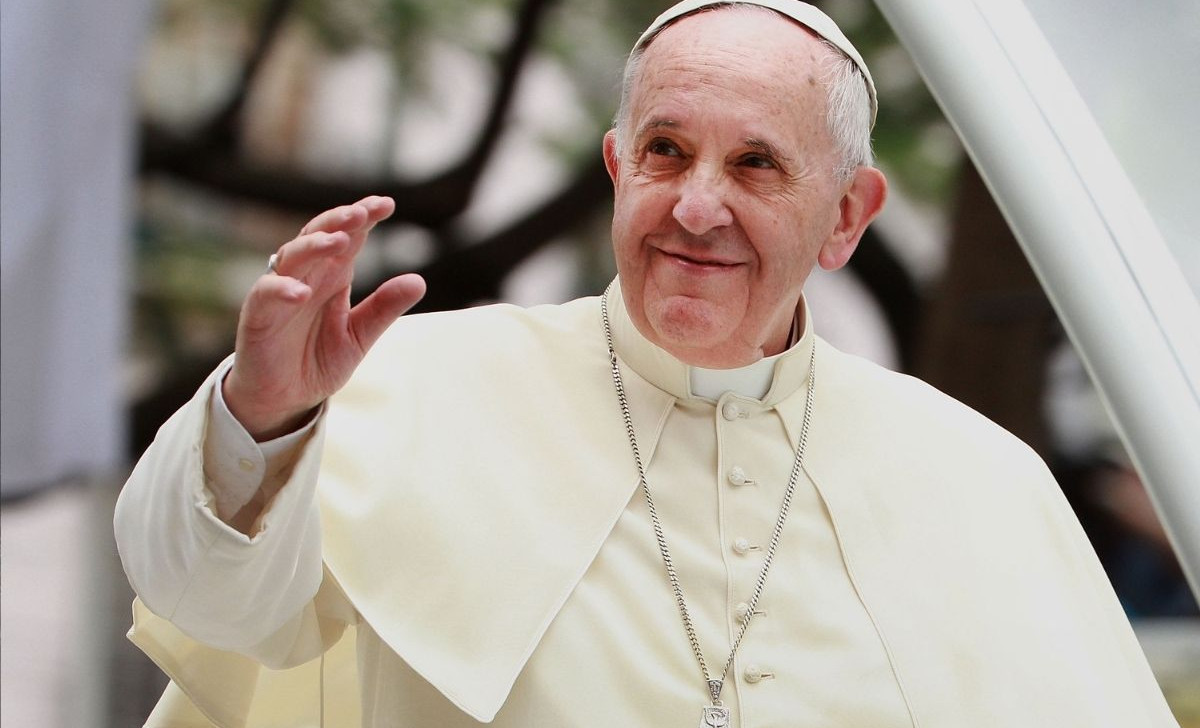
(701, 206)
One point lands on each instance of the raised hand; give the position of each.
(298, 339)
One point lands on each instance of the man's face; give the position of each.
(725, 193)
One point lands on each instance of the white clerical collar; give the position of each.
(771, 379)
(752, 380)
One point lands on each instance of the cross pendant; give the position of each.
(715, 716)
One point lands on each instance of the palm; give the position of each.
(298, 339)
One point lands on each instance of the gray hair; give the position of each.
(848, 105)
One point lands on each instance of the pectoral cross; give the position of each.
(715, 715)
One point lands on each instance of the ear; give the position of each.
(612, 162)
(861, 202)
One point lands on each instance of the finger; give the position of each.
(378, 208)
(351, 218)
(371, 317)
(296, 258)
(272, 302)
(375, 210)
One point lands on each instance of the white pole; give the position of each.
(1121, 296)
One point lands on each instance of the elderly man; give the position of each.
(672, 505)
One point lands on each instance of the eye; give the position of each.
(757, 161)
(662, 147)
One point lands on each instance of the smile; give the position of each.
(692, 261)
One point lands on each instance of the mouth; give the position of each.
(699, 260)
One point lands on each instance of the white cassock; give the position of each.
(479, 551)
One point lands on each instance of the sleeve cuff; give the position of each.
(235, 466)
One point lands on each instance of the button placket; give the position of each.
(747, 520)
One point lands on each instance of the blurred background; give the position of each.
(155, 153)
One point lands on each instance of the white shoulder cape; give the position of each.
(477, 462)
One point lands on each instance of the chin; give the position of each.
(688, 323)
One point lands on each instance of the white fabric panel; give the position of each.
(1072, 202)
(66, 130)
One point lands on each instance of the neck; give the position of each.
(728, 358)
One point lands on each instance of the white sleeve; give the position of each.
(216, 584)
(235, 465)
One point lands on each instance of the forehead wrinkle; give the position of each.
(686, 80)
(692, 66)
(705, 56)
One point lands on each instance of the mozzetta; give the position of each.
(467, 543)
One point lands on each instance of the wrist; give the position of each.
(263, 423)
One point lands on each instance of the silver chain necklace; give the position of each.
(715, 715)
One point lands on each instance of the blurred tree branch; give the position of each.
(222, 130)
(210, 157)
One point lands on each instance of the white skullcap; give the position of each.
(803, 13)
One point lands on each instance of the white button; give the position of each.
(742, 545)
(246, 464)
(737, 476)
(742, 611)
(754, 673)
(731, 411)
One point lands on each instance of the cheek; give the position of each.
(636, 214)
(786, 254)
(628, 249)
(624, 235)
(796, 232)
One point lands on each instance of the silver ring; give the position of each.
(273, 264)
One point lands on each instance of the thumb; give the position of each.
(374, 314)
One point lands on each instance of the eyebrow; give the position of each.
(766, 148)
(657, 124)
